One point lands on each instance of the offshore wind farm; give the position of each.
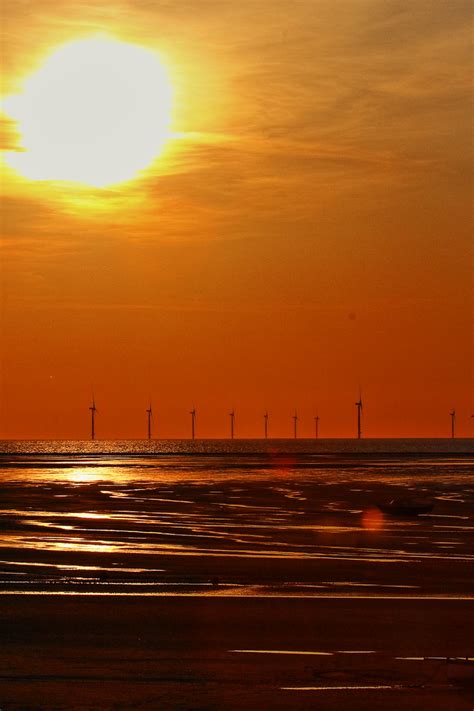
(295, 420)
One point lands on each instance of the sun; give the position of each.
(97, 112)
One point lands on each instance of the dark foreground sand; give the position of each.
(89, 652)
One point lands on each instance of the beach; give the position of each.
(181, 653)
(235, 582)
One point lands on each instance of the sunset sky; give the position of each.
(305, 228)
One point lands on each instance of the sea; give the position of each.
(288, 518)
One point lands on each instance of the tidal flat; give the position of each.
(235, 580)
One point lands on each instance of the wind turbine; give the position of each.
(359, 415)
(193, 422)
(232, 418)
(453, 423)
(316, 426)
(93, 410)
(295, 425)
(150, 418)
(265, 421)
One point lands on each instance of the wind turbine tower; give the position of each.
(453, 423)
(316, 426)
(150, 417)
(232, 418)
(265, 422)
(193, 423)
(295, 425)
(359, 416)
(93, 410)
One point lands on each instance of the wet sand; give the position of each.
(267, 533)
(141, 585)
(70, 652)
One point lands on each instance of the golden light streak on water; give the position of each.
(341, 688)
(281, 651)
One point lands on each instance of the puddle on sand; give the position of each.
(302, 652)
(464, 518)
(57, 566)
(281, 651)
(351, 584)
(437, 659)
(340, 688)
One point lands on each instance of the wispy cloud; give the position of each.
(285, 106)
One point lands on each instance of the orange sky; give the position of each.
(307, 228)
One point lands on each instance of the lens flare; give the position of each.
(372, 520)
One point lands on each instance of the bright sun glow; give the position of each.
(97, 112)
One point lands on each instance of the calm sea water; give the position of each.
(241, 517)
(240, 446)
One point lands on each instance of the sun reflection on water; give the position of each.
(84, 476)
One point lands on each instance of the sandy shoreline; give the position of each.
(215, 653)
(152, 586)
